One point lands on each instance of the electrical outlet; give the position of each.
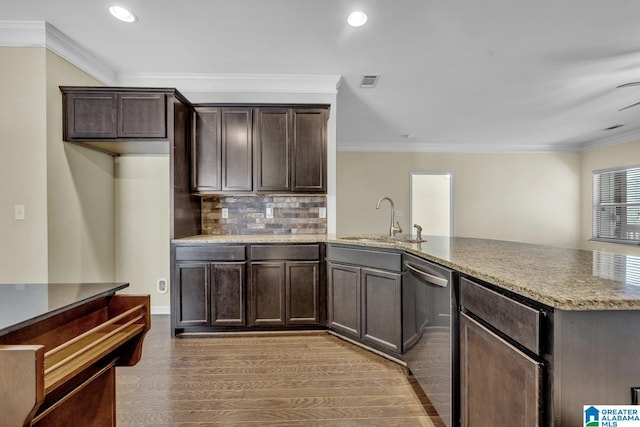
(225, 213)
(322, 212)
(18, 211)
(399, 214)
(163, 287)
(269, 213)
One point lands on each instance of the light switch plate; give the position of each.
(19, 212)
(225, 213)
(269, 213)
(322, 212)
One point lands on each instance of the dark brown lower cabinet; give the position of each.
(381, 309)
(302, 293)
(267, 293)
(210, 294)
(499, 384)
(227, 293)
(344, 298)
(285, 293)
(365, 304)
(192, 289)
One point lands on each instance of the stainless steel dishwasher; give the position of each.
(430, 325)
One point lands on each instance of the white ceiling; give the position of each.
(458, 75)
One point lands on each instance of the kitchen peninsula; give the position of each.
(567, 320)
(59, 346)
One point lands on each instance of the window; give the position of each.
(616, 205)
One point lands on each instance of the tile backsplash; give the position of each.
(247, 214)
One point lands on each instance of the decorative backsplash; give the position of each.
(248, 215)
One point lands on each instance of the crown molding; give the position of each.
(619, 138)
(43, 34)
(235, 83)
(65, 47)
(423, 147)
(22, 34)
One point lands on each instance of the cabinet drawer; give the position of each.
(285, 252)
(365, 258)
(518, 321)
(211, 253)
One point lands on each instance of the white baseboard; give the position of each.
(160, 309)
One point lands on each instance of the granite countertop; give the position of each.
(24, 304)
(566, 279)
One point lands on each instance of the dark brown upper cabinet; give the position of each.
(92, 114)
(237, 143)
(207, 148)
(272, 137)
(309, 159)
(222, 149)
(120, 120)
(288, 143)
(142, 115)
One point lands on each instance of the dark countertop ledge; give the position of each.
(24, 304)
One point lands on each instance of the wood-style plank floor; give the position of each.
(311, 379)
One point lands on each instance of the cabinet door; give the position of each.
(499, 385)
(142, 115)
(227, 293)
(268, 293)
(90, 116)
(302, 293)
(206, 149)
(272, 149)
(309, 160)
(237, 169)
(192, 299)
(343, 283)
(381, 309)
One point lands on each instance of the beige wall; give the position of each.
(80, 192)
(68, 192)
(609, 157)
(524, 197)
(23, 165)
(142, 225)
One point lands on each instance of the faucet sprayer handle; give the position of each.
(419, 231)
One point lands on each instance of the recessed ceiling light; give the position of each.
(357, 19)
(122, 14)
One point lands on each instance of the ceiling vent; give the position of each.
(369, 80)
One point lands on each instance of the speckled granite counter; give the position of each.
(566, 279)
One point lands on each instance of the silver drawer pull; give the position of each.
(429, 278)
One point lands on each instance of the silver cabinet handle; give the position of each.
(429, 278)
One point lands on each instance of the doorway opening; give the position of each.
(432, 202)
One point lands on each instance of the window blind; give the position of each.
(616, 205)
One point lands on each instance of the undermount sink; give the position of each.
(386, 239)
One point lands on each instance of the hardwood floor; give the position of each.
(310, 379)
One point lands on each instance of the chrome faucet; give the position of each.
(392, 228)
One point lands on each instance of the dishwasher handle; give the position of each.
(426, 277)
